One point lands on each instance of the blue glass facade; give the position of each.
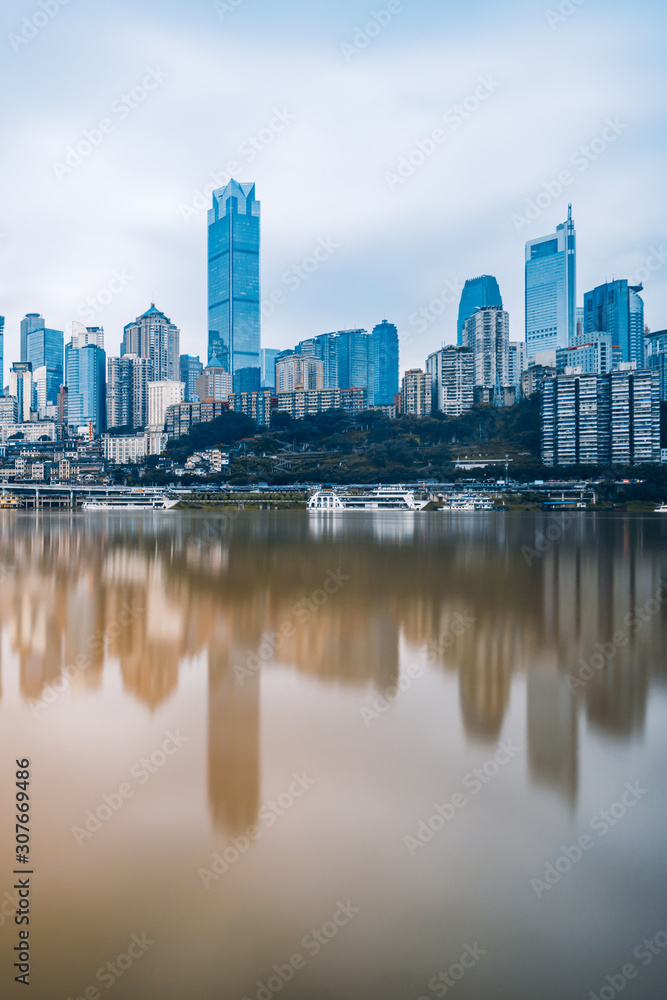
(551, 290)
(234, 317)
(477, 293)
(85, 371)
(618, 309)
(385, 363)
(45, 349)
(2, 351)
(325, 348)
(30, 322)
(267, 357)
(355, 362)
(247, 380)
(190, 370)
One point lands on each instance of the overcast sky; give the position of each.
(337, 108)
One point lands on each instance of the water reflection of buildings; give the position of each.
(195, 589)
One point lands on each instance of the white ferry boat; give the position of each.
(383, 498)
(468, 501)
(662, 509)
(141, 500)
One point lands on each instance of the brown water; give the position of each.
(225, 865)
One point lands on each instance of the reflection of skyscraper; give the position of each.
(234, 316)
(552, 732)
(485, 676)
(233, 745)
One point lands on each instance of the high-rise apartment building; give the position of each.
(296, 373)
(20, 386)
(153, 336)
(477, 293)
(551, 289)
(356, 362)
(45, 350)
(85, 378)
(267, 366)
(325, 348)
(385, 363)
(486, 333)
(215, 382)
(30, 322)
(452, 375)
(601, 419)
(161, 395)
(416, 393)
(127, 391)
(517, 362)
(617, 308)
(190, 370)
(234, 305)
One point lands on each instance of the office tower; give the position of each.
(39, 402)
(477, 293)
(8, 409)
(161, 395)
(85, 378)
(45, 349)
(517, 363)
(325, 348)
(20, 386)
(598, 419)
(30, 322)
(416, 393)
(296, 373)
(355, 362)
(234, 317)
(593, 357)
(215, 382)
(452, 376)
(551, 289)
(656, 357)
(190, 370)
(2, 351)
(63, 406)
(385, 363)
(155, 337)
(486, 333)
(119, 391)
(267, 366)
(247, 379)
(617, 308)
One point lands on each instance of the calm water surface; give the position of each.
(368, 746)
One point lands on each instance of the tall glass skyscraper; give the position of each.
(45, 350)
(551, 289)
(385, 363)
(267, 357)
(30, 322)
(234, 317)
(85, 373)
(477, 294)
(355, 362)
(325, 348)
(617, 308)
(191, 369)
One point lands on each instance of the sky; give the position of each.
(413, 143)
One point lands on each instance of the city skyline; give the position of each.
(320, 169)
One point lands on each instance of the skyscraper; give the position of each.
(452, 374)
(324, 347)
(486, 333)
(296, 373)
(20, 386)
(551, 289)
(516, 363)
(85, 377)
(416, 393)
(45, 350)
(2, 351)
(234, 317)
(214, 382)
(618, 309)
(477, 293)
(154, 336)
(355, 362)
(30, 322)
(385, 363)
(127, 391)
(656, 357)
(267, 360)
(190, 370)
